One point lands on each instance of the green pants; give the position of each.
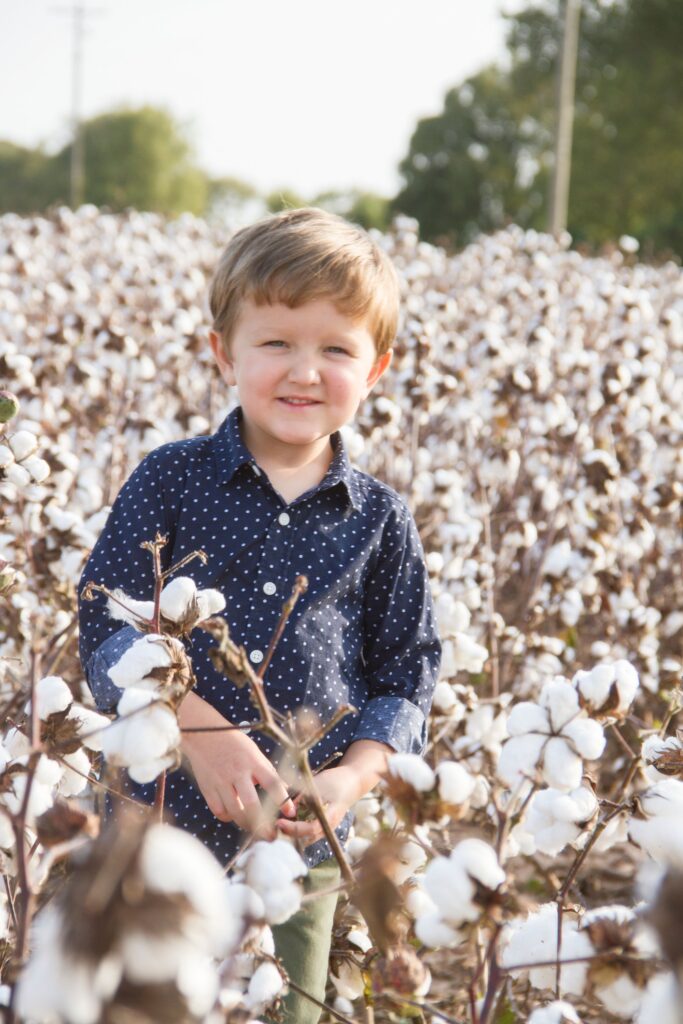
(303, 944)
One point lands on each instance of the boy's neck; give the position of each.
(292, 469)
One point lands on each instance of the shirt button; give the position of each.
(269, 588)
(283, 519)
(256, 657)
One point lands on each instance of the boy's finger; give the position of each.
(278, 793)
(250, 804)
(303, 830)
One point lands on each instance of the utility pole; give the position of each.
(78, 13)
(566, 85)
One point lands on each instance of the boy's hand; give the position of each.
(339, 788)
(227, 767)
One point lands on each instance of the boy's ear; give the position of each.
(378, 369)
(224, 363)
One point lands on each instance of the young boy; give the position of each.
(304, 310)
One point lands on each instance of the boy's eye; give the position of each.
(338, 348)
(275, 342)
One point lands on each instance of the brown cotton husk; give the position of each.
(666, 916)
(401, 970)
(376, 894)
(64, 821)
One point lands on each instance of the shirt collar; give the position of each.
(230, 452)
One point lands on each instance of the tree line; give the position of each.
(483, 161)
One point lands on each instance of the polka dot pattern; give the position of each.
(363, 633)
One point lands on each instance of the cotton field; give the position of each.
(530, 867)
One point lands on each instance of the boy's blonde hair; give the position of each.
(296, 256)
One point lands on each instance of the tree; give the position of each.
(462, 170)
(24, 179)
(486, 157)
(139, 158)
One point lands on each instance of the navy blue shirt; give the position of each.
(362, 634)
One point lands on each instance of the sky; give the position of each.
(304, 94)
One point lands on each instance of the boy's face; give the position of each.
(300, 373)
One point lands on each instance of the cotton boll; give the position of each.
(144, 738)
(480, 862)
(528, 717)
(444, 699)
(177, 598)
(558, 1012)
(534, 940)
(451, 889)
(562, 768)
(265, 985)
(455, 783)
(52, 695)
(520, 757)
(127, 609)
(76, 772)
(452, 616)
(23, 444)
(557, 559)
(468, 655)
(662, 757)
(348, 980)
(38, 469)
(413, 770)
(89, 725)
(141, 658)
(561, 701)
(622, 997)
(661, 1002)
(556, 819)
(434, 932)
(660, 837)
(209, 602)
(586, 736)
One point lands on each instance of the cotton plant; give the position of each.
(550, 738)
(607, 690)
(69, 736)
(595, 369)
(168, 924)
(181, 605)
(20, 463)
(657, 822)
(463, 888)
(619, 980)
(555, 819)
(421, 794)
(273, 871)
(154, 674)
(533, 940)
(557, 1012)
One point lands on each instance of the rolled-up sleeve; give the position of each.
(401, 648)
(118, 561)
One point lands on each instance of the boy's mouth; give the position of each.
(299, 401)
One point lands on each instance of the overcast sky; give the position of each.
(307, 94)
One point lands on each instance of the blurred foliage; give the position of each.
(133, 158)
(486, 159)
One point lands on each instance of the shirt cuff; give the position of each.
(105, 693)
(395, 721)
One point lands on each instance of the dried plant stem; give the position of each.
(300, 587)
(323, 1006)
(10, 902)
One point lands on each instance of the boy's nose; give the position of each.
(304, 371)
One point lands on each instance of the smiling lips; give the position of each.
(299, 401)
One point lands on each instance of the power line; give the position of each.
(78, 12)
